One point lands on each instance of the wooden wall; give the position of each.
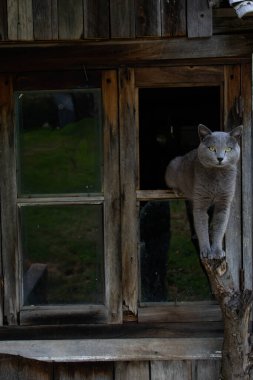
(36, 20)
(12, 368)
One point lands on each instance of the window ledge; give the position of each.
(115, 349)
(116, 343)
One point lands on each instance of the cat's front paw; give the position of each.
(205, 252)
(217, 253)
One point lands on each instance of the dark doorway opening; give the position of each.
(168, 120)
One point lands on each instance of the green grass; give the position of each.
(186, 279)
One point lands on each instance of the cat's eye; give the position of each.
(228, 149)
(212, 148)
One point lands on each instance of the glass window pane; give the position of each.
(62, 254)
(59, 141)
(170, 265)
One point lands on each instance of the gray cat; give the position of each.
(207, 177)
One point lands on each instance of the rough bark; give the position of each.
(236, 308)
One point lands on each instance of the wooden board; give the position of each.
(199, 19)
(247, 175)
(140, 349)
(122, 26)
(132, 370)
(205, 369)
(96, 18)
(148, 18)
(3, 20)
(45, 20)
(13, 368)
(171, 370)
(80, 371)
(220, 49)
(112, 197)
(8, 198)
(128, 190)
(233, 235)
(70, 19)
(173, 18)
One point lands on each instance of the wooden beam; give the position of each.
(41, 56)
(115, 349)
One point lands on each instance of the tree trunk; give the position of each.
(236, 307)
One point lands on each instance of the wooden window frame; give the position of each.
(232, 80)
(12, 313)
(121, 193)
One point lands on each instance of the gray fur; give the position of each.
(207, 176)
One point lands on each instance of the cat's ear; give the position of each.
(203, 131)
(236, 132)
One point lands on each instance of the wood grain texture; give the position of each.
(25, 20)
(171, 370)
(12, 16)
(112, 197)
(205, 369)
(173, 18)
(199, 19)
(141, 349)
(96, 18)
(228, 49)
(13, 368)
(122, 26)
(3, 20)
(8, 200)
(80, 371)
(232, 89)
(148, 18)
(128, 189)
(70, 19)
(132, 370)
(247, 175)
(45, 20)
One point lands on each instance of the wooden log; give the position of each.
(236, 308)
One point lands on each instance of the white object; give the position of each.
(244, 8)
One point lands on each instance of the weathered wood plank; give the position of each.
(199, 19)
(225, 20)
(13, 368)
(167, 76)
(148, 18)
(45, 20)
(171, 370)
(128, 190)
(247, 175)
(205, 369)
(132, 370)
(8, 200)
(122, 18)
(232, 119)
(96, 18)
(182, 312)
(230, 49)
(3, 20)
(140, 349)
(70, 19)
(173, 14)
(25, 20)
(112, 197)
(80, 371)
(12, 14)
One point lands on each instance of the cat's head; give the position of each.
(219, 149)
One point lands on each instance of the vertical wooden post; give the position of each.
(112, 197)
(8, 202)
(128, 190)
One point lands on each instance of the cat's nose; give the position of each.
(220, 159)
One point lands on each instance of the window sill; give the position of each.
(116, 343)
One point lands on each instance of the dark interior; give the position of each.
(168, 126)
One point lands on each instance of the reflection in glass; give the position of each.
(170, 265)
(62, 254)
(59, 141)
